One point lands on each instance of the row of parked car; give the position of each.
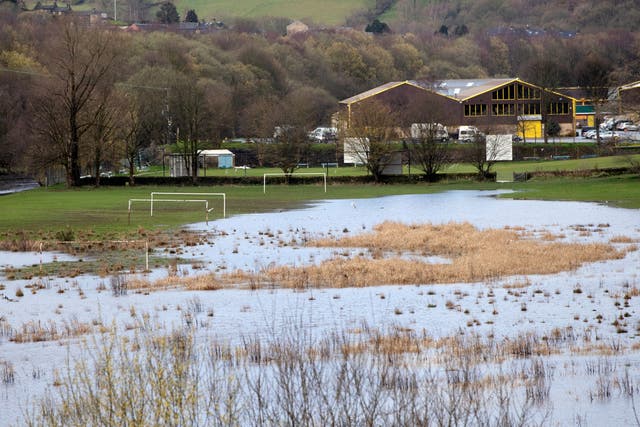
(611, 129)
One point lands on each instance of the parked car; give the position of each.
(606, 135)
(590, 133)
(584, 130)
(468, 133)
(627, 127)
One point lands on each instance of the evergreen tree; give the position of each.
(191, 16)
(168, 14)
(377, 27)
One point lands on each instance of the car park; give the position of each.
(584, 130)
(606, 135)
(627, 127)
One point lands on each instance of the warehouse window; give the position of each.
(507, 92)
(558, 108)
(475, 110)
(526, 92)
(529, 109)
(503, 109)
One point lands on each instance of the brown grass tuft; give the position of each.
(476, 255)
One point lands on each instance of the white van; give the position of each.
(323, 134)
(421, 130)
(467, 133)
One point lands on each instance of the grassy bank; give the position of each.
(621, 191)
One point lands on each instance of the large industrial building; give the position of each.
(493, 105)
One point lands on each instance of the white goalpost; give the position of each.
(160, 193)
(205, 202)
(264, 178)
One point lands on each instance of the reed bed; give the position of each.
(396, 377)
(38, 331)
(476, 255)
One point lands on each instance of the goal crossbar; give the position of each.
(264, 178)
(206, 205)
(162, 193)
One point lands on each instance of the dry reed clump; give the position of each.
(37, 331)
(476, 255)
(622, 239)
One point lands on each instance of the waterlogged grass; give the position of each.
(101, 213)
(621, 191)
(368, 376)
(475, 255)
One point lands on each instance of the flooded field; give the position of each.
(576, 332)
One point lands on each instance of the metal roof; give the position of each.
(457, 89)
(375, 91)
(215, 153)
(462, 89)
(628, 86)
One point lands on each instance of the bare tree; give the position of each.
(593, 75)
(79, 62)
(483, 155)
(548, 74)
(133, 131)
(14, 119)
(296, 115)
(200, 108)
(102, 134)
(372, 130)
(429, 148)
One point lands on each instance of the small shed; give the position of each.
(223, 159)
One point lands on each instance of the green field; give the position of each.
(328, 12)
(504, 169)
(99, 216)
(103, 211)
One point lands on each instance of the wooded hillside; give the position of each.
(162, 86)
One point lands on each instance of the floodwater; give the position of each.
(252, 242)
(10, 259)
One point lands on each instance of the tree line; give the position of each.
(80, 97)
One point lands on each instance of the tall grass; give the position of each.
(287, 379)
(367, 376)
(476, 255)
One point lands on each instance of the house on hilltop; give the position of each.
(508, 105)
(297, 27)
(53, 9)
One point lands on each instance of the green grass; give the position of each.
(103, 211)
(506, 169)
(100, 215)
(328, 12)
(621, 191)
